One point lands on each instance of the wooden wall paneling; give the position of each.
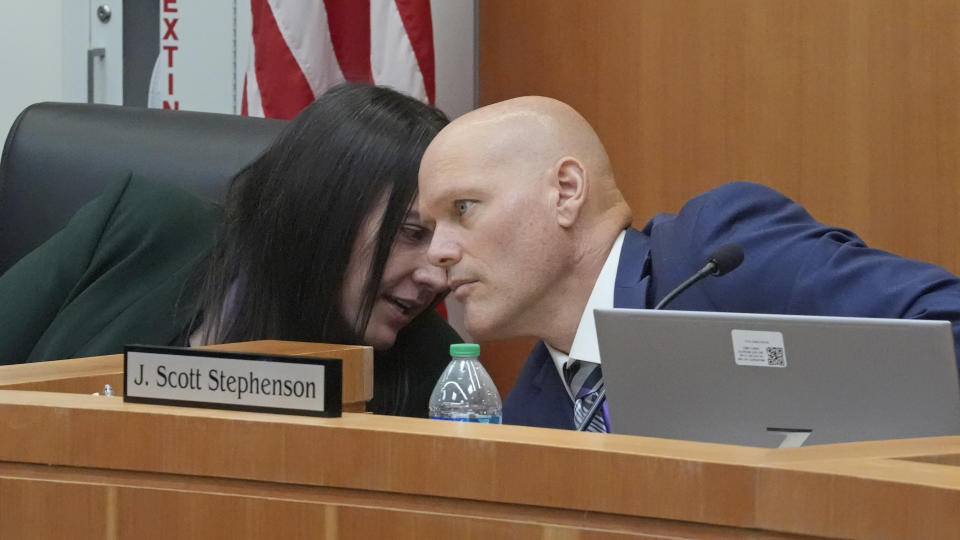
(147, 506)
(848, 107)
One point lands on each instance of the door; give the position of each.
(93, 51)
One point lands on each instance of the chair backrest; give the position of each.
(58, 156)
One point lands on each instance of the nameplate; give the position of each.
(235, 381)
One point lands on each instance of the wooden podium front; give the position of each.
(74, 465)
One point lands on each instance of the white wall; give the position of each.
(454, 50)
(203, 63)
(44, 47)
(41, 59)
(31, 61)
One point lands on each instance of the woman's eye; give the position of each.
(414, 233)
(462, 206)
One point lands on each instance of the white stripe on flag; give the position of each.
(305, 29)
(392, 59)
(154, 93)
(254, 104)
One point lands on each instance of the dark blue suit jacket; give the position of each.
(792, 265)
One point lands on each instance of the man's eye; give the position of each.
(462, 206)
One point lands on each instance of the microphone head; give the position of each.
(725, 258)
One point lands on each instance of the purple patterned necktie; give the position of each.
(585, 380)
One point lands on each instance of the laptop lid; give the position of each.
(777, 380)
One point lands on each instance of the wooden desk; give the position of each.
(81, 466)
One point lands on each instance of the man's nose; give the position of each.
(443, 250)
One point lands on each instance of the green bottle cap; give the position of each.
(464, 349)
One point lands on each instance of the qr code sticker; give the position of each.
(776, 357)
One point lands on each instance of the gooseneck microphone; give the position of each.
(723, 259)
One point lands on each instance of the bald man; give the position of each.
(534, 235)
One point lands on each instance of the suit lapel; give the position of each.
(633, 272)
(539, 398)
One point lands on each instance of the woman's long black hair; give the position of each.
(292, 217)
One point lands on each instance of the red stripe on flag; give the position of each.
(349, 25)
(415, 15)
(284, 90)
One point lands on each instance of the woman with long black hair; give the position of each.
(318, 240)
(322, 242)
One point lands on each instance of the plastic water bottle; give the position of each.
(465, 392)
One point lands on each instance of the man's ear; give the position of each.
(572, 188)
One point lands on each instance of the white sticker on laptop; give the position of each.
(758, 348)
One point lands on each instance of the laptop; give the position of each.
(777, 380)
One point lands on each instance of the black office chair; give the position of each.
(58, 156)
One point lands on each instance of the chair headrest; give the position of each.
(58, 156)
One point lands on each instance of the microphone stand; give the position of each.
(721, 261)
(602, 396)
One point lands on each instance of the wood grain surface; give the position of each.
(849, 107)
(146, 471)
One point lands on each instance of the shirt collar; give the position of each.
(585, 345)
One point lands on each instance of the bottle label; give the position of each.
(485, 419)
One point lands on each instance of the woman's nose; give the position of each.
(430, 276)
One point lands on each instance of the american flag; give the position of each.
(302, 47)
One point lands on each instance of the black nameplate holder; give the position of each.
(237, 381)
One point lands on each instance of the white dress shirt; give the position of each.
(585, 345)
